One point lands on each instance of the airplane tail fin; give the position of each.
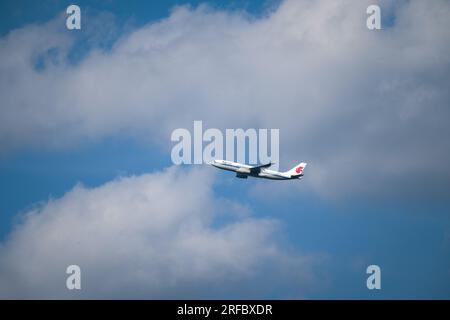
(297, 171)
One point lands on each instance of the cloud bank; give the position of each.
(366, 107)
(150, 236)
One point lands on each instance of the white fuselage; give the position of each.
(243, 170)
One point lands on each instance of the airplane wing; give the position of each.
(257, 169)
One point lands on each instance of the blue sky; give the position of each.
(378, 192)
(137, 11)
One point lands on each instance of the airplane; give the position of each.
(243, 171)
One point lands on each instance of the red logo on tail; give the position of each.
(299, 169)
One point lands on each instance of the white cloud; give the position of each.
(149, 236)
(365, 108)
